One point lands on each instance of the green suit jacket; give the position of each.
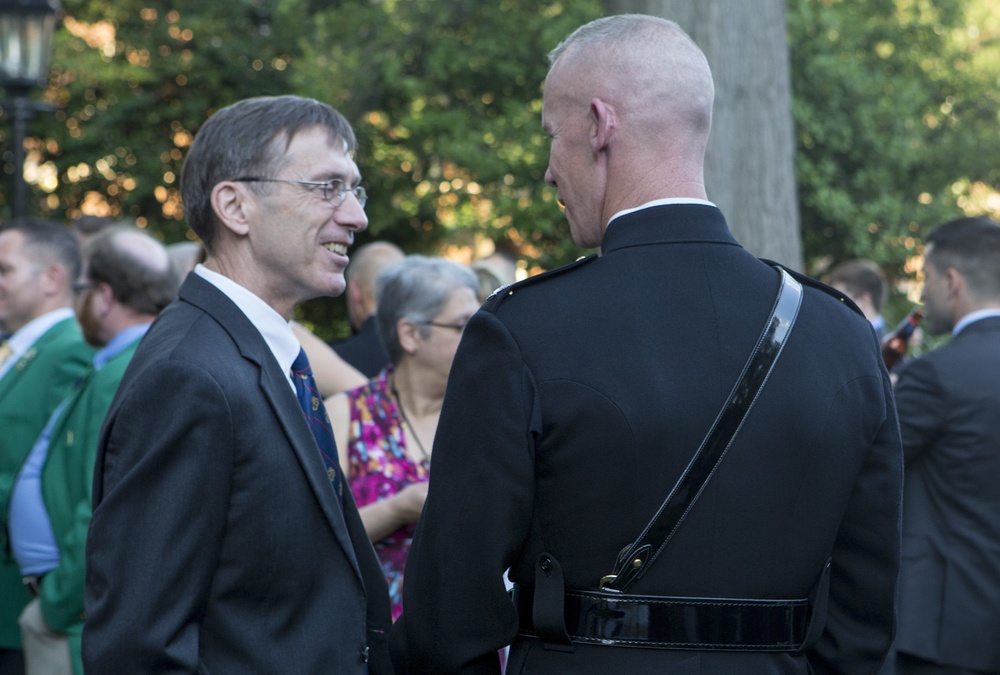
(67, 486)
(29, 392)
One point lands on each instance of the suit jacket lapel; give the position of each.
(278, 392)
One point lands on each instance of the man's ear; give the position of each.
(602, 125)
(355, 304)
(104, 298)
(956, 281)
(232, 203)
(353, 291)
(55, 281)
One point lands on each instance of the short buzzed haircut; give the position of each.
(857, 277)
(49, 243)
(249, 138)
(681, 86)
(368, 261)
(971, 246)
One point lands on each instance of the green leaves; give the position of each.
(895, 105)
(893, 126)
(446, 98)
(133, 82)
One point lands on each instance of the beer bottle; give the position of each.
(895, 344)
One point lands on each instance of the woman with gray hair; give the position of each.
(385, 429)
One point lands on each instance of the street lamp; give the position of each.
(26, 30)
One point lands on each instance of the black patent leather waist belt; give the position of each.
(662, 622)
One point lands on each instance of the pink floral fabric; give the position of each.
(379, 467)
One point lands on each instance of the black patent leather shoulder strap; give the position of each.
(636, 558)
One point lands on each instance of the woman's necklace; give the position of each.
(425, 460)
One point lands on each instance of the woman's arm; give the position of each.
(385, 516)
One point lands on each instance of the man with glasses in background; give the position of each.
(222, 537)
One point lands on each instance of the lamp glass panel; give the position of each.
(26, 48)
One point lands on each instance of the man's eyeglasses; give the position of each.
(457, 327)
(334, 191)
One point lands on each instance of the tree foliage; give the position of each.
(133, 81)
(896, 111)
(895, 104)
(447, 102)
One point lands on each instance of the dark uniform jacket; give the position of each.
(575, 401)
(949, 584)
(217, 544)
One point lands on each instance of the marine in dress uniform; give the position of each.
(578, 397)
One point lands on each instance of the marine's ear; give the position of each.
(603, 124)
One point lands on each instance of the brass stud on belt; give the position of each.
(637, 563)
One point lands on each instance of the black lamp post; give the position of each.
(26, 30)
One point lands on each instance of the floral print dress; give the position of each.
(379, 467)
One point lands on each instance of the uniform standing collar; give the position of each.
(662, 202)
(668, 223)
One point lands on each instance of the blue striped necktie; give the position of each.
(319, 422)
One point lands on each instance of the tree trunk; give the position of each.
(750, 165)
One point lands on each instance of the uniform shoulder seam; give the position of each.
(820, 286)
(504, 292)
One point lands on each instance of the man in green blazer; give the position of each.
(128, 280)
(45, 354)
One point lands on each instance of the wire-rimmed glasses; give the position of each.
(333, 191)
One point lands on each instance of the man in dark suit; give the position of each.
(364, 349)
(571, 413)
(949, 413)
(222, 539)
(42, 358)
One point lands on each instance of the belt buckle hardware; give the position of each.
(605, 580)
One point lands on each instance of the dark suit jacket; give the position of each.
(364, 350)
(216, 543)
(949, 412)
(575, 401)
